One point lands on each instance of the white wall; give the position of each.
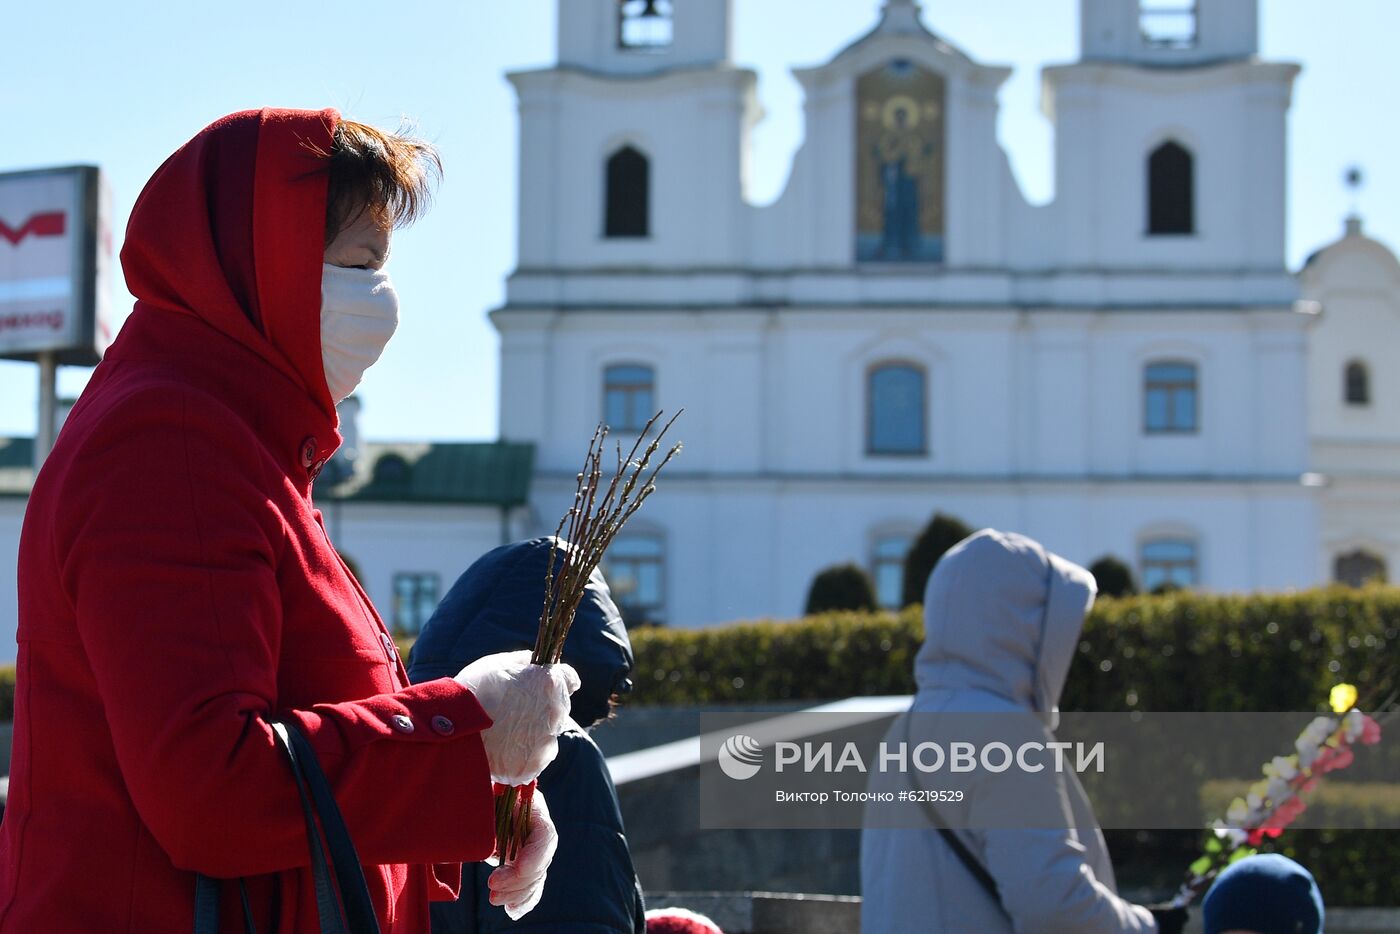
(388, 538)
(748, 548)
(1010, 393)
(1034, 421)
(1355, 282)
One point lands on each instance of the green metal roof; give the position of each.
(493, 473)
(490, 473)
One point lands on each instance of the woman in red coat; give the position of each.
(178, 589)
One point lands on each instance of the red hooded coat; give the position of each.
(177, 589)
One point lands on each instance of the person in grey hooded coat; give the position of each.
(495, 607)
(1001, 620)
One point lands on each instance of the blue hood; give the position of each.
(495, 607)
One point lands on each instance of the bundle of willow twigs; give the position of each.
(598, 513)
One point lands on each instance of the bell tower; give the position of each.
(1170, 138)
(632, 145)
(1168, 32)
(643, 36)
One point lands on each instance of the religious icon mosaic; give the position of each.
(899, 164)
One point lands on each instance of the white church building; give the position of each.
(1130, 370)
(1122, 372)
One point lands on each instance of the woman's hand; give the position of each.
(528, 706)
(519, 885)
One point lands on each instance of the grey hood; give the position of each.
(1002, 616)
(1001, 619)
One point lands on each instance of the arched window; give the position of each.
(1357, 388)
(1358, 568)
(635, 568)
(887, 569)
(1170, 190)
(895, 419)
(629, 396)
(644, 25)
(1168, 563)
(628, 187)
(1170, 397)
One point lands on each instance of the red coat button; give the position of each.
(309, 450)
(442, 725)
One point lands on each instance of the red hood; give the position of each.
(231, 230)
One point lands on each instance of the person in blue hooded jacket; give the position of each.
(495, 607)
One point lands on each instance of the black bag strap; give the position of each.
(206, 906)
(327, 906)
(358, 916)
(955, 843)
(349, 874)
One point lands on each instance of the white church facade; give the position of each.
(1130, 370)
(1122, 371)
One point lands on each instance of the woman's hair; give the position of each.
(390, 175)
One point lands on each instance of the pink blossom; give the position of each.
(1370, 731)
(1332, 758)
(1285, 814)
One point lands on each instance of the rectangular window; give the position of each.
(1170, 398)
(887, 569)
(895, 410)
(629, 396)
(1169, 563)
(635, 570)
(415, 598)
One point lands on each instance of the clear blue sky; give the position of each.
(123, 85)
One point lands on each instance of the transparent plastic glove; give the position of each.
(519, 885)
(528, 706)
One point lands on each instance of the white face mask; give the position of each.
(359, 312)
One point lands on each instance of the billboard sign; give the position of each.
(55, 260)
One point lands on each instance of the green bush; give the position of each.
(1179, 651)
(841, 587)
(941, 534)
(1114, 577)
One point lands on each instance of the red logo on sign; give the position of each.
(40, 225)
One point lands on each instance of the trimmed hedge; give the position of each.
(1179, 651)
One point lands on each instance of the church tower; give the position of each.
(1170, 141)
(631, 37)
(631, 146)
